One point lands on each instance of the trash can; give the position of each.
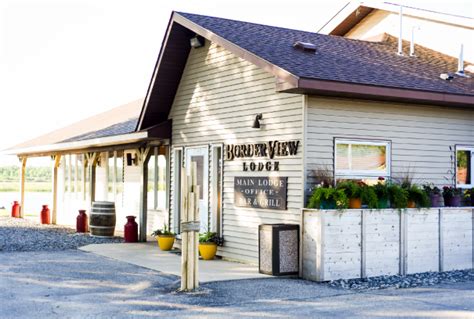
(278, 249)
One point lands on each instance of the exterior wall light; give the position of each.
(196, 41)
(256, 122)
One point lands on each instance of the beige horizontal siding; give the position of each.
(216, 102)
(420, 135)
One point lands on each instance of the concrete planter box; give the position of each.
(365, 243)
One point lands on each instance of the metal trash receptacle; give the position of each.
(278, 249)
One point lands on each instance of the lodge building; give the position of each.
(259, 109)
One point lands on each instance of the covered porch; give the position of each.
(105, 158)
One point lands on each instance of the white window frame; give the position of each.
(216, 215)
(354, 174)
(463, 148)
(177, 169)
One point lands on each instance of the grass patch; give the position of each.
(29, 187)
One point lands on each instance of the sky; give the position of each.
(65, 60)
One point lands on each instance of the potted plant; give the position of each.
(165, 238)
(434, 194)
(398, 196)
(381, 191)
(416, 197)
(328, 198)
(208, 245)
(452, 196)
(353, 191)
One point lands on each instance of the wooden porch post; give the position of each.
(107, 173)
(143, 155)
(22, 186)
(91, 163)
(57, 161)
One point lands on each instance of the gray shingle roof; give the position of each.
(116, 129)
(341, 59)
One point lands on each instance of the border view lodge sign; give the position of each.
(261, 191)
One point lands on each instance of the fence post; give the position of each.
(440, 240)
(190, 230)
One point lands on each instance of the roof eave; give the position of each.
(45, 150)
(371, 92)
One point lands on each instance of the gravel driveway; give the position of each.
(59, 283)
(17, 234)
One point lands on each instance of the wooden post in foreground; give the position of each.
(22, 186)
(190, 230)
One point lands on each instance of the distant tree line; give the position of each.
(33, 174)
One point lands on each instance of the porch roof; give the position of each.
(111, 128)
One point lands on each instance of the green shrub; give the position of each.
(398, 196)
(419, 196)
(369, 197)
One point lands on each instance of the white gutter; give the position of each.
(77, 145)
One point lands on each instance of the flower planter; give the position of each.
(327, 205)
(355, 203)
(452, 201)
(208, 250)
(383, 204)
(165, 242)
(436, 200)
(411, 204)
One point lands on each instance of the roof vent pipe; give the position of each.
(412, 43)
(461, 61)
(400, 39)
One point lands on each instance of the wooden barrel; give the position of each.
(102, 219)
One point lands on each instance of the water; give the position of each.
(33, 201)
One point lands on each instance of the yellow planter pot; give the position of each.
(355, 203)
(411, 204)
(165, 242)
(207, 250)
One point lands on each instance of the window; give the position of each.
(359, 159)
(464, 165)
(157, 179)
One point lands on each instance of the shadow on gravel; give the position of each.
(76, 284)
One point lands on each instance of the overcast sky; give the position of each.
(64, 60)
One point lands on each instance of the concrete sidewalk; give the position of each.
(148, 255)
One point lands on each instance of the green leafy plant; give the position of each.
(350, 188)
(419, 196)
(335, 198)
(430, 189)
(398, 196)
(165, 231)
(450, 191)
(369, 196)
(208, 237)
(381, 190)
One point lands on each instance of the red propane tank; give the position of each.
(16, 209)
(81, 221)
(45, 215)
(131, 230)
